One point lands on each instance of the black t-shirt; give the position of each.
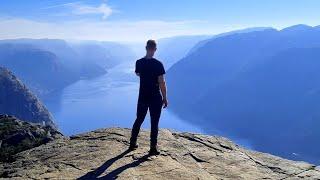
(149, 70)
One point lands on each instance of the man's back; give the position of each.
(149, 69)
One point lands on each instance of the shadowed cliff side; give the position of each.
(17, 100)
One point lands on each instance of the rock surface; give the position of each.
(102, 154)
(17, 136)
(17, 100)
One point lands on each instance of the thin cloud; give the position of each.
(103, 9)
(61, 5)
(79, 8)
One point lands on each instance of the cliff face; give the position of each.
(102, 154)
(17, 100)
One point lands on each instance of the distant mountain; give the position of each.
(261, 86)
(17, 100)
(247, 30)
(274, 103)
(41, 70)
(297, 28)
(172, 49)
(104, 54)
(223, 57)
(58, 47)
(46, 65)
(66, 55)
(213, 63)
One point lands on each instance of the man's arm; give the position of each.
(163, 88)
(137, 68)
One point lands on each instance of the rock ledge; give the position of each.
(102, 154)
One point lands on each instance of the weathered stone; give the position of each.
(102, 154)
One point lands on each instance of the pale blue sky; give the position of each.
(137, 20)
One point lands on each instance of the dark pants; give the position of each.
(155, 106)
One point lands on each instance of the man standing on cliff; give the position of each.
(152, 82)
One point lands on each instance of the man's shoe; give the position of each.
(133, 147)
(153, 152)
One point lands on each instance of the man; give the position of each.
(152, 81)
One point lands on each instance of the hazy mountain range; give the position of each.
(170, 50)
(104, 54)
(261, 86)
(46, 65)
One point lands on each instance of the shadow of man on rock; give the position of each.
(113, 174)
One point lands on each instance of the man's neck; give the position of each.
(148, 56)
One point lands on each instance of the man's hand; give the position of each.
(163, 88)
(165, 103)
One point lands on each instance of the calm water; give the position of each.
(106, 101)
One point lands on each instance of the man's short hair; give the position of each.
(151, 44)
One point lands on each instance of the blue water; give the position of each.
(106, 101)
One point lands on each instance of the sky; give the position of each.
(138, 20)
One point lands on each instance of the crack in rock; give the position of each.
(161, 172)
(71, 165)
(225, 146)
(272, 168)
(195, 139)
(297, 174)
(118, 134)
(199, 160)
